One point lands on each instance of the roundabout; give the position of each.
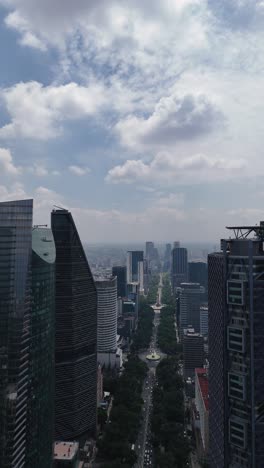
(153, 356)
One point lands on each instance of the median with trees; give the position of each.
(122, 428)
(153, 289)
(169, 440)
(167, 295)
(166, 332)
(142, 336)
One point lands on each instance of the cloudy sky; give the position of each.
(144, 117)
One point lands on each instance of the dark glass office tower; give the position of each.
(239, 347)
(151, 252)
(15, 294)
(75, 333)
(198, 273)
(216, 336)
(167, 258)
(134, 257)
(189, 301)
(40, 425)
(179, 266)
(121, 275)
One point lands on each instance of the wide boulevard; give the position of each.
(143, 446)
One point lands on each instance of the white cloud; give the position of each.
(174, 118)
(239, 14)
(40, 170)
(172, 200)
(162, 217)
(246, 215)
(166, 168)
(53, 21)
(37, 112)
(6, 163)
(15, 192)
(79, 171)
(45, 199)
(155, 74)
(16, 21)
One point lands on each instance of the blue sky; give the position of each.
(145, 118)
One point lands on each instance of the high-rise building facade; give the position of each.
(179, 266)
(237, 308)
(15, 309)
(108, 354)
(189, 306)
(167, 258)
(216, 338)
(121, 274)
(76, 333)
(204, 320)
(133, 292)
(198, 273)
(150, 254)
(146, 276)
(134, 258)
(40, 421)
(193, 352)
(106, 314)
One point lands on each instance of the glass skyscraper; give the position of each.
(198, 273)
(121, 274)
(179, 266)
(40, 424)
(189, 301)
(15, 298)
(236, 339)
(134, 258)
(75, 333)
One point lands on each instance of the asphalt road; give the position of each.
(143, 445)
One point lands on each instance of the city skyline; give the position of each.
(145, 114)
(58, 314)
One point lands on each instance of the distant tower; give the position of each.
(198, 273)
(193, 352)
(15, 310)
(40, 426)
(150, 250)
(106, 314)
(76, 333)
(167, 258)
(189, 301)
(179, 266)
(134, 257)
(120, 273)
(236, 337)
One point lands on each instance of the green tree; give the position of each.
(101, 417)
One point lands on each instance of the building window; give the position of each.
(236, 339)
(237, 386)
(235, 292)
(237, 433)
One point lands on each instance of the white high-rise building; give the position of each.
(106, 314)
(141, 277)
